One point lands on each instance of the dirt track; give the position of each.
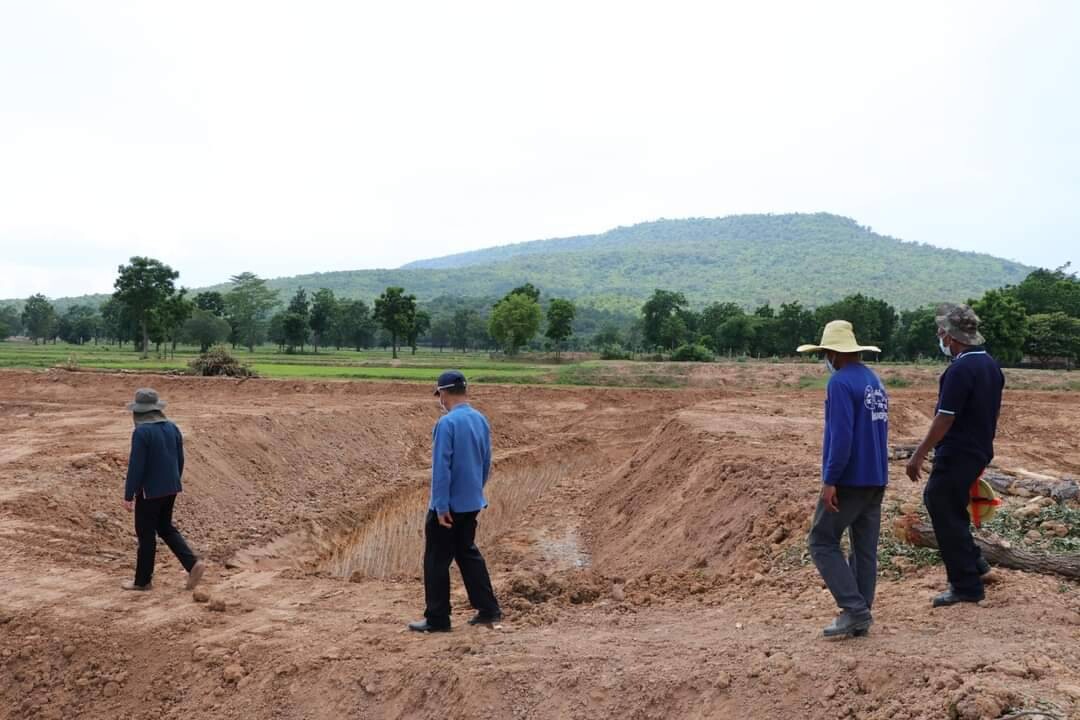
(645, 544)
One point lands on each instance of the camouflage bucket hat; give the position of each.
(961, 323)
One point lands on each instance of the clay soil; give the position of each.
(648, 547)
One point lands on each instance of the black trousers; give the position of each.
(153, 518)
(444, 545)
(947, 494)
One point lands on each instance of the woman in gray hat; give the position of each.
(153, 481)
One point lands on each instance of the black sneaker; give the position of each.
(481, 618)
(951, 597)
(425, 627)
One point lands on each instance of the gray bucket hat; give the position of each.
(146, 400)
(961, 323)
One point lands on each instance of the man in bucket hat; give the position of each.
(153, 482)
(460, 466)
(962, 437)
(855, 471)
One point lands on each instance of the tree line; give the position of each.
(147, 309)
(1038, 318)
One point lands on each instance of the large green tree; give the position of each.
(657, 314)
(10, 322)
(204, 328)
(462, 328)
(296, 329)
(323, 310)
(560, 323)
(421, 324)
(1053, 336)
(172, 314)
(117, 322)
(797, 325)
(396, 312)
(1003, 323)
(275, 330)
(298, 320)
(79, 324)
(211, 301)
(514, 322)
(38, 317)
(736, 335)
(916, 334)
(1049, 291)
(143, 285)
(249, 302)
(357, 325)
(442, 330)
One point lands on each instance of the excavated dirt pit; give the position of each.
(647, 547)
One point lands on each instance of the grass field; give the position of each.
(481, 367)
(268, 362)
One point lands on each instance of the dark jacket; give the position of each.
(156, 462)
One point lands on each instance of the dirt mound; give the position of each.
(693, 500)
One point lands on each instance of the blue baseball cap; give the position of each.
(451, 379)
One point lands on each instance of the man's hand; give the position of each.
(129, 505)
(446, 519)
(828, 496)
(914, 466)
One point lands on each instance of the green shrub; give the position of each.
(614, 352)
(692, 353)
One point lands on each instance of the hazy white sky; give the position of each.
(287, 137)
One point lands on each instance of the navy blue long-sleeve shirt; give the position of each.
(856, 446)
(461, 461)
(156, 462)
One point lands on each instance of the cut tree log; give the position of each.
(1025, 484)
(1014, 482)
(914, 531)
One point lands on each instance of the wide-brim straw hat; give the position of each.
(146, 400)
(839, 337)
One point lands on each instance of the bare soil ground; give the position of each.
(647, 546)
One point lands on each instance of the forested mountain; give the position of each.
(745, 259)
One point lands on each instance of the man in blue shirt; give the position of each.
(855, 471)
(460, 466)
(962, 437)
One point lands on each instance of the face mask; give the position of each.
(829, 366)
(945, 349)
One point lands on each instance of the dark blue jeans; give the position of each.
(947, 494)
(852, 580)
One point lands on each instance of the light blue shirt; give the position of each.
(461, 461)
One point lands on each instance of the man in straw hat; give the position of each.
(855, 471)
(153, 481)
(962, 437)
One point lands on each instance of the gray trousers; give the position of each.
(851, 580)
